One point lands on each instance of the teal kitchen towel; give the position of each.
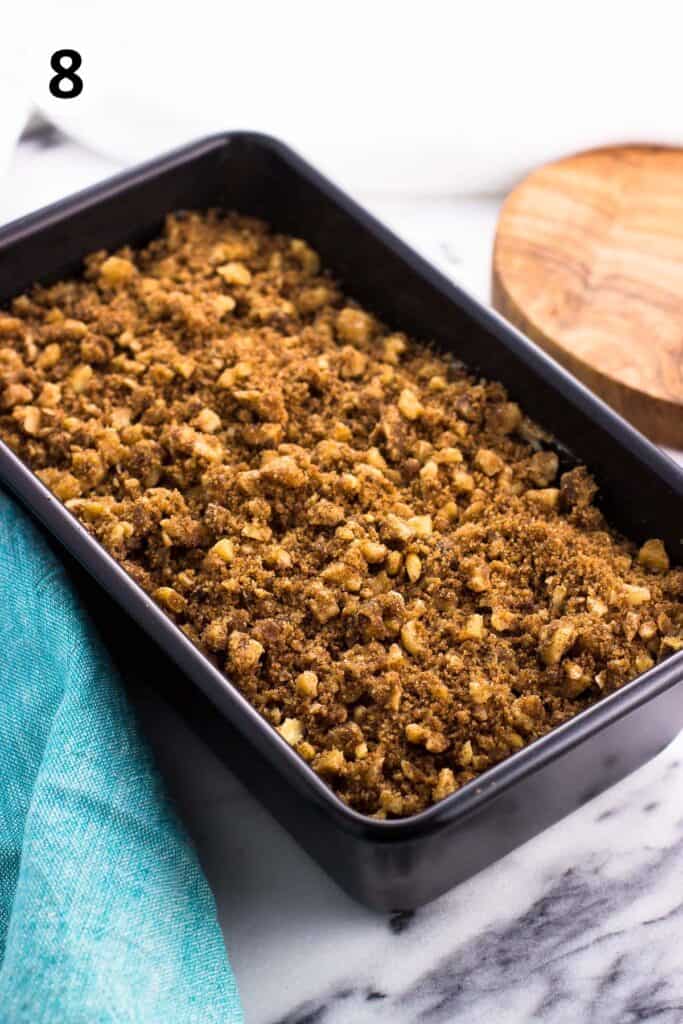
(105, 915)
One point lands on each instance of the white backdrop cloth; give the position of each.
(433, 98)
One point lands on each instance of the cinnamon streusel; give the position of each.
(383, 553)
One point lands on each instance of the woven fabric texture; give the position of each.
(105, 915)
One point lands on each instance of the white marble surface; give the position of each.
(582, 925)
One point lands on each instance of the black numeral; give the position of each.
(66, 74)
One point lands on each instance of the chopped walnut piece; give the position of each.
(224, 549)
(429, 474)
(284, 470)
(546, 497)
(50, 395)
(473, 628)
(170, 599)
(208, 421)
(244, 652)
(326, 513)
(465, 754)
(49, 357)
(653, 556)
(576, 680)
(235, 273)
(488, 462)
(215, 635)
(354, 326)
(396, 529)
(409, 405)
(10, 325)
(63, 485)
(394, 563)
(479, 578)
(411, 637)
(643, 662)
(508, 417)
(670, 645)
(413, 567)
(344, 576)
(291, 730)
(556, 639)
(16, 394)
(421, 525)
(311, 299)
(323, 604)
(330, 762)
(445, 784)
(503, 620)
(635, 595)
(307, 684)
(527, 711)
(185, 366)
(596, 606)
(305, 255)
(394, 347)
(480, 691)
(116, 271)
(80, 378)
(257, 531)
(353, 362)
(463, 483)
(222, 305)
(28, 416)
(373, 552)
(543, 467)
(416, 733)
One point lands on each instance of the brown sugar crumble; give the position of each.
(379, 549)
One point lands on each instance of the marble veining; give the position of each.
(584, 924)
(581, 925)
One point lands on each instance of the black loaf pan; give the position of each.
(401, 864)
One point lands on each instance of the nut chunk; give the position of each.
(634, 595)
(244, 653)
(445, 785)
(354, 326)
(116, 271)
(63, 485)
(543, 468)
(653, 556)
(208, 421)
(170, 599)
(556, 639)
(413, 567)
(412, 637)
(473, 628)
(322, 603)
(29, 418)
(409, 405)
(307, 684)
(224, 549)
(330, 762)
(291, 730)
(235, 273)
(488, 462)
(284, 471)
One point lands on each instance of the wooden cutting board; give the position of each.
(588, 262)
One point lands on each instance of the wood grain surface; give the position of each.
(588, 261)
